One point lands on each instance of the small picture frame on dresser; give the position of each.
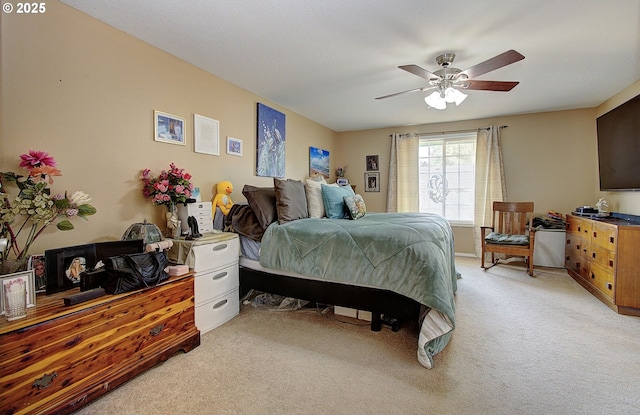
(23, 280)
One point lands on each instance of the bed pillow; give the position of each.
(314, 197)
(355, 206)
(291, 200)
(333, 198)
(263, 203)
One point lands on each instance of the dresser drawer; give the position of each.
(215, 283)
(603, 257)
(602, 279)
(216, 255)
(604, 235)
(217, 311)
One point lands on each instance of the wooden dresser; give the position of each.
(603, 255)
(59, 358)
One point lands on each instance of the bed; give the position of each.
(396, 264)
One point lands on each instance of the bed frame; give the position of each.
(377, 301)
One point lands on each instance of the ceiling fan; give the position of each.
(448, 81)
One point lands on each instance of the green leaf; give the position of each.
(86, 210)
(65, 225)
(61, 203)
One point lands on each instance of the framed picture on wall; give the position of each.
(206, 135)
(318, 162)
(372, 163)
(372, 182)
(234, 146)
(271, 142)
(168, 128)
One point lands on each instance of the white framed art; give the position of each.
(234, 146)
(206, 135)
(168, 128)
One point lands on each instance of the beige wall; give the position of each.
(85, 93)
(548, 158)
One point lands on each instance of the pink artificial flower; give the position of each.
(36, 158)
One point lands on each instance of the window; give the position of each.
(447, 176)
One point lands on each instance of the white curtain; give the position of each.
(490, 183)
(403, 189)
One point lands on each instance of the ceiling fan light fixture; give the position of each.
(439, 99)
(454, 95)
(435, 100)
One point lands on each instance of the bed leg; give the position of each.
(376, 322)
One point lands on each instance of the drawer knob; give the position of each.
(610, 286)
(219, 276)
(45, 380)
(220, 304)
(219, 247)
(156, 330)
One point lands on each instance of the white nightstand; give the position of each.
(214, 258)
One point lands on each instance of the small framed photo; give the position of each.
(234, 146)
(64, 266)
(38, 264)
(372, 182)
(206, 135)
(168, 128)
(372, 163)
(22, 281)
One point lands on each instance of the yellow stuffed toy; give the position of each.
(222, 198)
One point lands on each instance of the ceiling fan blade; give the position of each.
(501, 86)
(405, 92)
(422, 73)
(494, 63)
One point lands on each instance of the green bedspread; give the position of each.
(408, 253)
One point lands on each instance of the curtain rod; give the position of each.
(457, 131)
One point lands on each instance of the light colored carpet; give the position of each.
(522, 345)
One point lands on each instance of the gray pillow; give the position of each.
(291, 200)
(263, 203)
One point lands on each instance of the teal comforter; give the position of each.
(409, 253)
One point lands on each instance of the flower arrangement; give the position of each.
(34, 209)
(171, 187)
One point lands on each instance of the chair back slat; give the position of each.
(512, 217)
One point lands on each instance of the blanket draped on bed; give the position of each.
(408, 253)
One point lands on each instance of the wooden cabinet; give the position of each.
(602, 255)
(59, 358)
(214, 259)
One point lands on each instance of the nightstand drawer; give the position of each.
(217, 312)
(213, 284)
(216, 255)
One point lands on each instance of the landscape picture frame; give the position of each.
(168, 128)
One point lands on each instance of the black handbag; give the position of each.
(131, 272)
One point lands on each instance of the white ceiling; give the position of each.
(327, 60)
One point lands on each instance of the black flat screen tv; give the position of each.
(619, 147)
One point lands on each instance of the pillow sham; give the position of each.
(333, 198)
(291, 200)
(314, 197)
(263, 203)
(355, 206)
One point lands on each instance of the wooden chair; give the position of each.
(511, 233)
